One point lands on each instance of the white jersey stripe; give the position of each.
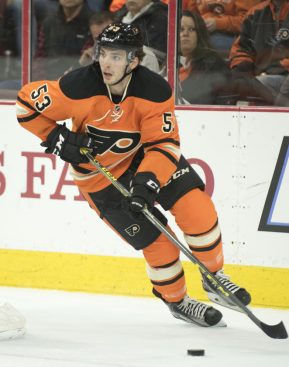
(173, 149)
(20, 110)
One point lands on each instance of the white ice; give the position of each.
(82, 330)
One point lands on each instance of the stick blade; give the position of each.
(277, 331)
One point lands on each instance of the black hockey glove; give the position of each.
(66, 144)
(144, 189)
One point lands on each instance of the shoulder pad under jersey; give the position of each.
(83, 83)
(149, 85)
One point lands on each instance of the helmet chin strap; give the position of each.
(125, 74)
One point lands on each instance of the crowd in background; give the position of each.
(230, 51)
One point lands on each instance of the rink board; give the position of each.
(242, 156)
(127, 276)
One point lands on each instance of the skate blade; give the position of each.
(221, 323)
(12, 334)
(216, 299)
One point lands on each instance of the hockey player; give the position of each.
(124, 113)
(12, 323)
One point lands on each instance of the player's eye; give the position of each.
(116, 58)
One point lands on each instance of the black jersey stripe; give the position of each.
(26, 104)
(205, 249)
(28, 118)
(171, 281)
(165, 153)
(168, 140)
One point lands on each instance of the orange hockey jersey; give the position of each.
(143, 119)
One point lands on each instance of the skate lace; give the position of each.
(225, 280)
(192, 307)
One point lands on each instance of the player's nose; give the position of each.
(107, 62)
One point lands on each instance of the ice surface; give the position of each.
(81, 330)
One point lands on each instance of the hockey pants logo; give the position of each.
(132, 230)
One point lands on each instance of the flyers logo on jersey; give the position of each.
(115, 141)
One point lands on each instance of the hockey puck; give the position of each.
(196, 352)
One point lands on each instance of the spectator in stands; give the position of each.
(61, 39)
(262, 49)
(42, 9)
(151, 17)
(204, 76)
(223, 19)
(97, 23)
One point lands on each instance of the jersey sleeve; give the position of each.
(160, 139)
(39, 105)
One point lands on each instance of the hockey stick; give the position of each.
(277, 331)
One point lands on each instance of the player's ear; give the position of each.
(134, 63)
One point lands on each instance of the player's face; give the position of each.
(188, 36)
(112, 64)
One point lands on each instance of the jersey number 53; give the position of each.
(43, 99)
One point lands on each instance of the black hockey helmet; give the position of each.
(121, 36)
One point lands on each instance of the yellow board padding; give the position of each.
(127, 276)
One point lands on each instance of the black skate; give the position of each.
(192, 311)
(216, 296)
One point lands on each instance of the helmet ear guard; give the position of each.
(96, 51)
(130, 55)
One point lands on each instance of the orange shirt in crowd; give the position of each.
(229, 14)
